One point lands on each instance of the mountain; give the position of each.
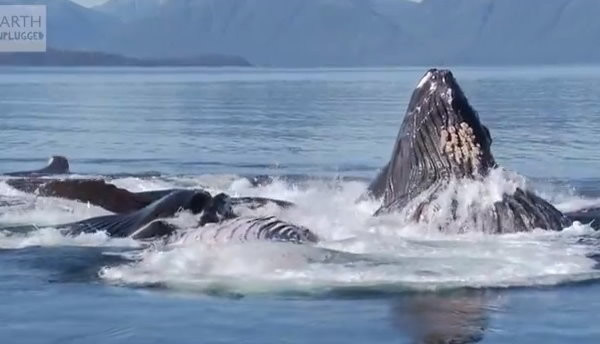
(273, 32)
(509, 31)
(131, 9)
(54, 57)
(72, 26)
(365, 32)
(336, 32)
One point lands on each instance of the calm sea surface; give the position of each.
(203, 127)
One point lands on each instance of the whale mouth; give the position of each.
(440, 146)
(441, 137)
(444, 129)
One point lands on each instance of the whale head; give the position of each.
(219, 209)
(441, 137)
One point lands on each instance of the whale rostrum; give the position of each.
(441, 142)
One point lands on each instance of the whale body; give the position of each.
(56, 165)
(442, 141)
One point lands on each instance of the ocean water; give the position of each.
(323, 134)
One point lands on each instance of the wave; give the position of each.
(357, 251)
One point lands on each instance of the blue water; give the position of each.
(207, 127)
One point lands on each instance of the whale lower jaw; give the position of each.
(441, 141)
(442, 208)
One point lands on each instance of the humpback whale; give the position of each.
(217, 221)
(145, 223)
(249, 228)
(142, 215)
(94, 191)
(442, 140)
(108, 196)
(56, 165)
(441, 143)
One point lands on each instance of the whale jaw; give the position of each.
(442, 141)
(441, 137)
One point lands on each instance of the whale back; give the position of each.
(141, 224)
(56, 165)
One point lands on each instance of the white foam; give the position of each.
(208, 182)
(359, 250)
(445, 262)
(8, 191)
(53, 237)
(452, 208)
(135, 184)
(574, 203)
(48, 211)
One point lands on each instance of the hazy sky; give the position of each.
(89, 2)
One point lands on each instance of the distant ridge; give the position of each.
(55, 57)
(315, 33)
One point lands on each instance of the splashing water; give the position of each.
(357, 251)
(49, 236)
(452, 207)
